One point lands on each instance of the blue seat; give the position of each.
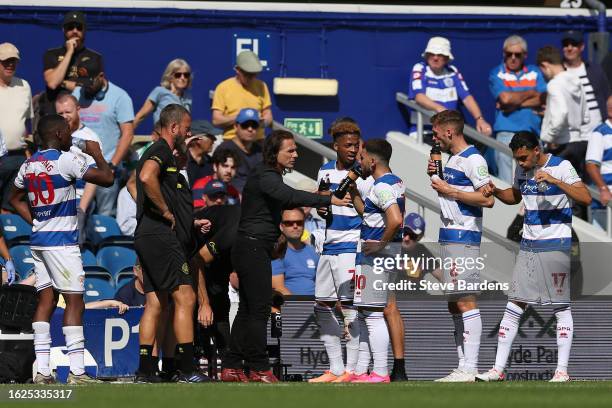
(89, 259)
(124, 277)
(22, 258)
(104, 231)
(15, 229)
(98, 285)
(116, 258)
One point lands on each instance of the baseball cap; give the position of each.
(8, 50)
(249, 62)
(74, 17)
(438, 45)
(202, 128)
(214, 187)
(89, 68)
(575, 36)
(247, 114)
(415, 223)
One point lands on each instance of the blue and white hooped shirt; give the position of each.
(466, 171)
(342, 234)
(548, 214)
(49, 177)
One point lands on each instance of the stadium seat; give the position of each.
(89, 259)
(98, 284)
(124, 277)
(22, 258)
(104, 231)
(15, 230)
(116, 258)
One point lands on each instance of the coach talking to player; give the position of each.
(263, 198)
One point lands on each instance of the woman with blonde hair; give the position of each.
(174, 88)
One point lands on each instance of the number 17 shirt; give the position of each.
(49, 178)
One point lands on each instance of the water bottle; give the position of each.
(435, 155)
(353, 174)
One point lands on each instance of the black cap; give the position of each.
(575, 36)
(89, 67)
(74, 17)
(204, 127)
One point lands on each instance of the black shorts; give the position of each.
(164, 264)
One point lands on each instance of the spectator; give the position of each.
(16, 112)
(68, 107)
(249, 152)
(61, 64)
(599, 167)
(174, 88)
(566, 109)
(517, 89)
(132, 293)
(239, 92)
(126, 211)
(436, 85)
(108, 111)
(294, 274)
(225, 162)
(200, 144)
(594, 82)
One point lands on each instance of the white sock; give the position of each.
(42, 346)
(75, 344)
(379, 340)
(472, 331)
(352, 343)
(458, 333)
(329, 327)
(508, 328)
(363, 361)
(565, 334)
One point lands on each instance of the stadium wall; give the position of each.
(369, 49)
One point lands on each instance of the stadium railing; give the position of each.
(491, 142)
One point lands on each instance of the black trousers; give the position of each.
(248, 340)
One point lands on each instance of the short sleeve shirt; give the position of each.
(148, 215)
(162, 97)
(231, 97)
(54, 56)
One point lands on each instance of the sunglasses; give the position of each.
(249, 124)
(567, 43)
(291, 223)
(513, 54)
(217, 196)
(409, 233)
(72, 26)
(187, 75)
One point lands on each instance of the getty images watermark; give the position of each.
(463, 274)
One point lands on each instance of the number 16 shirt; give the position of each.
(49, 178)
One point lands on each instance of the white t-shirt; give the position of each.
(15, 109)
(591, 102)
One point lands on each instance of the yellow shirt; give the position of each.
(230, 97)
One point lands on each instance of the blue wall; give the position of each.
(370, 55)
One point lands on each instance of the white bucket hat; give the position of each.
(438, 45)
